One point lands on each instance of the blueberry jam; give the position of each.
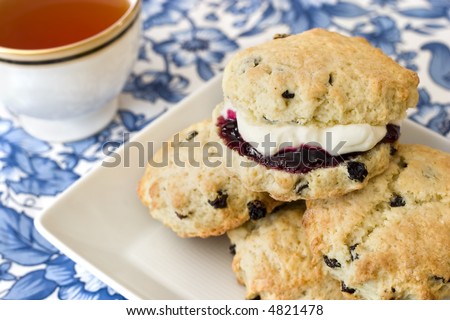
(293, 160)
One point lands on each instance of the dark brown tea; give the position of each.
(42, 24)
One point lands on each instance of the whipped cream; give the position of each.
(269, 139)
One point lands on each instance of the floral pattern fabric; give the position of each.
(184, 44)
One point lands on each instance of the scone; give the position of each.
(390, 240)
(312, 115)
(273, 260)
(187, 187)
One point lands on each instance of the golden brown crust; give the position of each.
(180, 197)
(335, 80)
(398, 227)
(273, 259)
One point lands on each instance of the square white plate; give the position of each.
(100, 223)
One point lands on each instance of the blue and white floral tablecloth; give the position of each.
(184, 44)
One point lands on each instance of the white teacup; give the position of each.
(70, 92)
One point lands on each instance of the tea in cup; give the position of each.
(64, 62)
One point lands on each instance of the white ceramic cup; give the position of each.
(68, 93)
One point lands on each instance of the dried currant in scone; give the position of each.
(191, 135)
(344, 288)
(256, 61)
(402, 163)
(256, 209)
(357, 171)
(393, 151)
(220, 202)
(353, 255)
(232, 249)
(181, 216)
(332, 263)
(331, 79)
(397, 201)
(438, 278)
(288, 95)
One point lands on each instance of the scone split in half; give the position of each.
(316, 114)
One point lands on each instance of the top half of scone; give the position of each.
(320, 79)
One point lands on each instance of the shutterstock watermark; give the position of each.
(189, 152)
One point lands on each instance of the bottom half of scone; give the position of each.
(300, 173)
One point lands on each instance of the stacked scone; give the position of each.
(316, 117)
